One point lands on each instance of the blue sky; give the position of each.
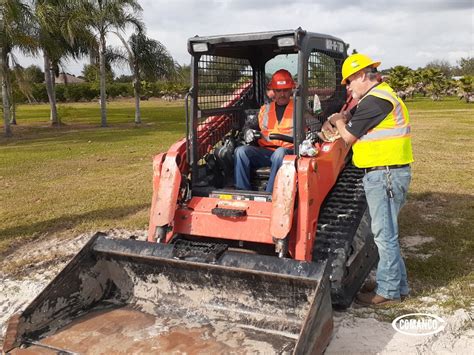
(404, 32)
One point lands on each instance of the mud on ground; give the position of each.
(29, 268)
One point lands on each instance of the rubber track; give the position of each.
(339, 219)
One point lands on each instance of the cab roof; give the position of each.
(243, 45)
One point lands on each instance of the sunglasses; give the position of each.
(349, 81)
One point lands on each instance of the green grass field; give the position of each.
(80, 177)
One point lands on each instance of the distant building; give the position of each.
(457, 77)
(66, 78)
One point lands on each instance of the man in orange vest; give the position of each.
(380, 134)
(274, 117)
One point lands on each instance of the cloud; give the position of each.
(403, 32)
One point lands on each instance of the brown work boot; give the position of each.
(368, 286)
(373, 300)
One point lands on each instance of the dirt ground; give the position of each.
(28, 269)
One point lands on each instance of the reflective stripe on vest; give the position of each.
(265, 117)
(389, 143)
(269, 124)
(386, 133)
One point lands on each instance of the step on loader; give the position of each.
(225, 270)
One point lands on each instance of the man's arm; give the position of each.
(339, 121)
(369, 113)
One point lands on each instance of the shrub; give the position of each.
(119, 89)
(60, 92)
(90, 91)
(39, 92)
(81, 92)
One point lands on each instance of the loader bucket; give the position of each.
(128, 296)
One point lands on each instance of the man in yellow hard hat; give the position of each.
(379, 131)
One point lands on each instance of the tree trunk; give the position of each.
(103, 108)
(48, 79)
(136, 91)
(5, 96)
(13, 112)
(12, 101)
(92, 55)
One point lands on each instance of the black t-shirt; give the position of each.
(368, 114)
(280, 110)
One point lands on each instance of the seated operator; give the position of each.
(274, 117)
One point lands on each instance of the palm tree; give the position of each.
(20, 84)
(398, 77)
(436, 82)
(15, 28)
(466, 88)
(148, 60)
(61, 33)
(103, 17)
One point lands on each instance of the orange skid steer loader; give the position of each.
(225, 270)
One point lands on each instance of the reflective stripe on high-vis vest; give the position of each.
(389, 143)
(269, 124)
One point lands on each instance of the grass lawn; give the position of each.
(81, 177)
(440, 206)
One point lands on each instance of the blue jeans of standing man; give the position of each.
(384, 209)
(249, 157)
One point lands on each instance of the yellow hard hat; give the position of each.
(354, 63)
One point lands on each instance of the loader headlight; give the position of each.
(286, 41)
(200, 47)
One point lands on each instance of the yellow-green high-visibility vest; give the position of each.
(388, 143)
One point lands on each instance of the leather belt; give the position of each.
(385, 167)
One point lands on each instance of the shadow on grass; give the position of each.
(446, 222)
(68, 222)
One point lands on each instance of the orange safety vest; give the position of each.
(268, 123)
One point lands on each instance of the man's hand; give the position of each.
(251, 135)
(327, 136)
(328, 127)
(338, 120)
(336, 117)
(329, 132)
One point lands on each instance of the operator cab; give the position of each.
(229, 83)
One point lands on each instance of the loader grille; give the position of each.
(324, 80)
(198, 251)
(219, 80)
(224, 87)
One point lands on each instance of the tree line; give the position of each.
(436, 79)
(74, 29)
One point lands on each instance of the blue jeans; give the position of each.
(249, 157)
(391, 272)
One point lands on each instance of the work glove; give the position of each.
(329, 133)
(311, 136)
(328, 136)
(307, 149)
(251, 135)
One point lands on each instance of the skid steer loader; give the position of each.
(225, 270)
